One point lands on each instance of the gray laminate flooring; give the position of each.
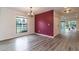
(62, 42)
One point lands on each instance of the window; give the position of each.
(21, 24)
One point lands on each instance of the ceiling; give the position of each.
(38, 10)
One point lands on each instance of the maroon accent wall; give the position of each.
(44, 23)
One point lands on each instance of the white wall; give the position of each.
(8, 23)
(78, 24)
(56, 23)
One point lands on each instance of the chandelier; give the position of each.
(31, 14)
(67, 10)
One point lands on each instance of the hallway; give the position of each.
(66, 42)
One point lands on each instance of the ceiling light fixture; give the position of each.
(67, 10)
(31, 14)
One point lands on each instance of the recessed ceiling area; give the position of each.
(38, 10)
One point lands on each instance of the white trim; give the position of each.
(45, 35)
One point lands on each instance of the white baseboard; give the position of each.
(45, 35)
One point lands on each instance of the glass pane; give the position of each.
(21, 24)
